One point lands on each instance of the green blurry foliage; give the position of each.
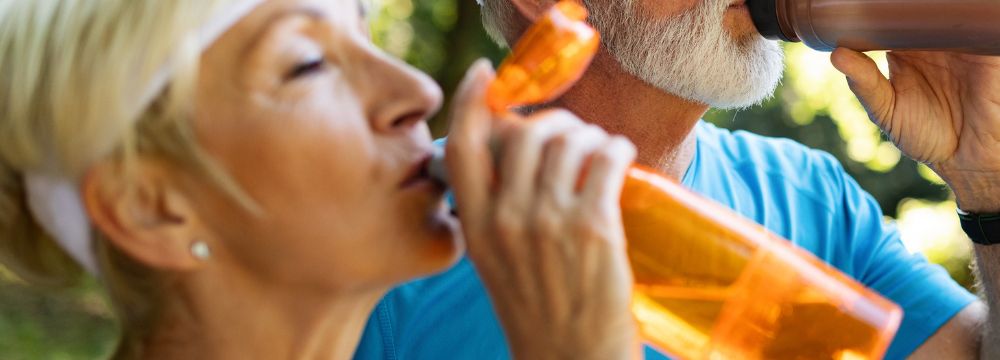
(440, 37)
(443, 38)
(56, 324)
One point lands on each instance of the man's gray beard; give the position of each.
(690, 55)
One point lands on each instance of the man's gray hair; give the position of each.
(498, 19)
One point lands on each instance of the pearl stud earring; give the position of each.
(200, 250)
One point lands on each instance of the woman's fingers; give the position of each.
(561, 166)
(555, 196)
(603, 231)
(469, 159)
(522, 157)
(517, 218)
(532, 229)
(606, 174)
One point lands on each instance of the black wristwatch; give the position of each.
(983, 229)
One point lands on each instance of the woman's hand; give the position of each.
(548, 244)
(940, 108)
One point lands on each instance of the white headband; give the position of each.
(55, 201)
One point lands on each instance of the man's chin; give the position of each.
(762, 71)
(712, 55)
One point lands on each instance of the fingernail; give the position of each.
(483, 67)
(482, 63)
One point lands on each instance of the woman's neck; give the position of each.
(230, 322)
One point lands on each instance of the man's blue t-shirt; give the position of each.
(801, 194)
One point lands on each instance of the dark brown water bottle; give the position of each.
(970, 26)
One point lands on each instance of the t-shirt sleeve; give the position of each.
(925, 291)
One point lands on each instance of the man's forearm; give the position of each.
(988, 262)
(977, 193)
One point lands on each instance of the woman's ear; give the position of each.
(143, 214)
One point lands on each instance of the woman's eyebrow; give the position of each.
(310, 12)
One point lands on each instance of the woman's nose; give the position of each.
(399, 95)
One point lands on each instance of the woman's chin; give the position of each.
(448, 236)
(441, 244)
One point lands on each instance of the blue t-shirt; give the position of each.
(801, 194)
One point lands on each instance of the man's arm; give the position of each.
(975, 330)
(988, 259)
(959, 338)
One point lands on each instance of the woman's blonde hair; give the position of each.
(78, 84)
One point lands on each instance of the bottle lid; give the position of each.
(765, 17)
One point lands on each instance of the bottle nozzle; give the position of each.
(436, 167)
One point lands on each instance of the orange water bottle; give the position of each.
(710, 284)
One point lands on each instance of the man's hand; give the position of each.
(939, 108)
(943, 109)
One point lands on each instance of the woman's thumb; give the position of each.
(469, 114)
(467, 151)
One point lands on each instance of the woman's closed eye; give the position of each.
(306, 68)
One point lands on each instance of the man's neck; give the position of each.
(660, 124)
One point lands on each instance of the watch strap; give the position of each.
(983, 229)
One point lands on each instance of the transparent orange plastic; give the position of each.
(709, 283)
(550, 57)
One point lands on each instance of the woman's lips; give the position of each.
(418, 174)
